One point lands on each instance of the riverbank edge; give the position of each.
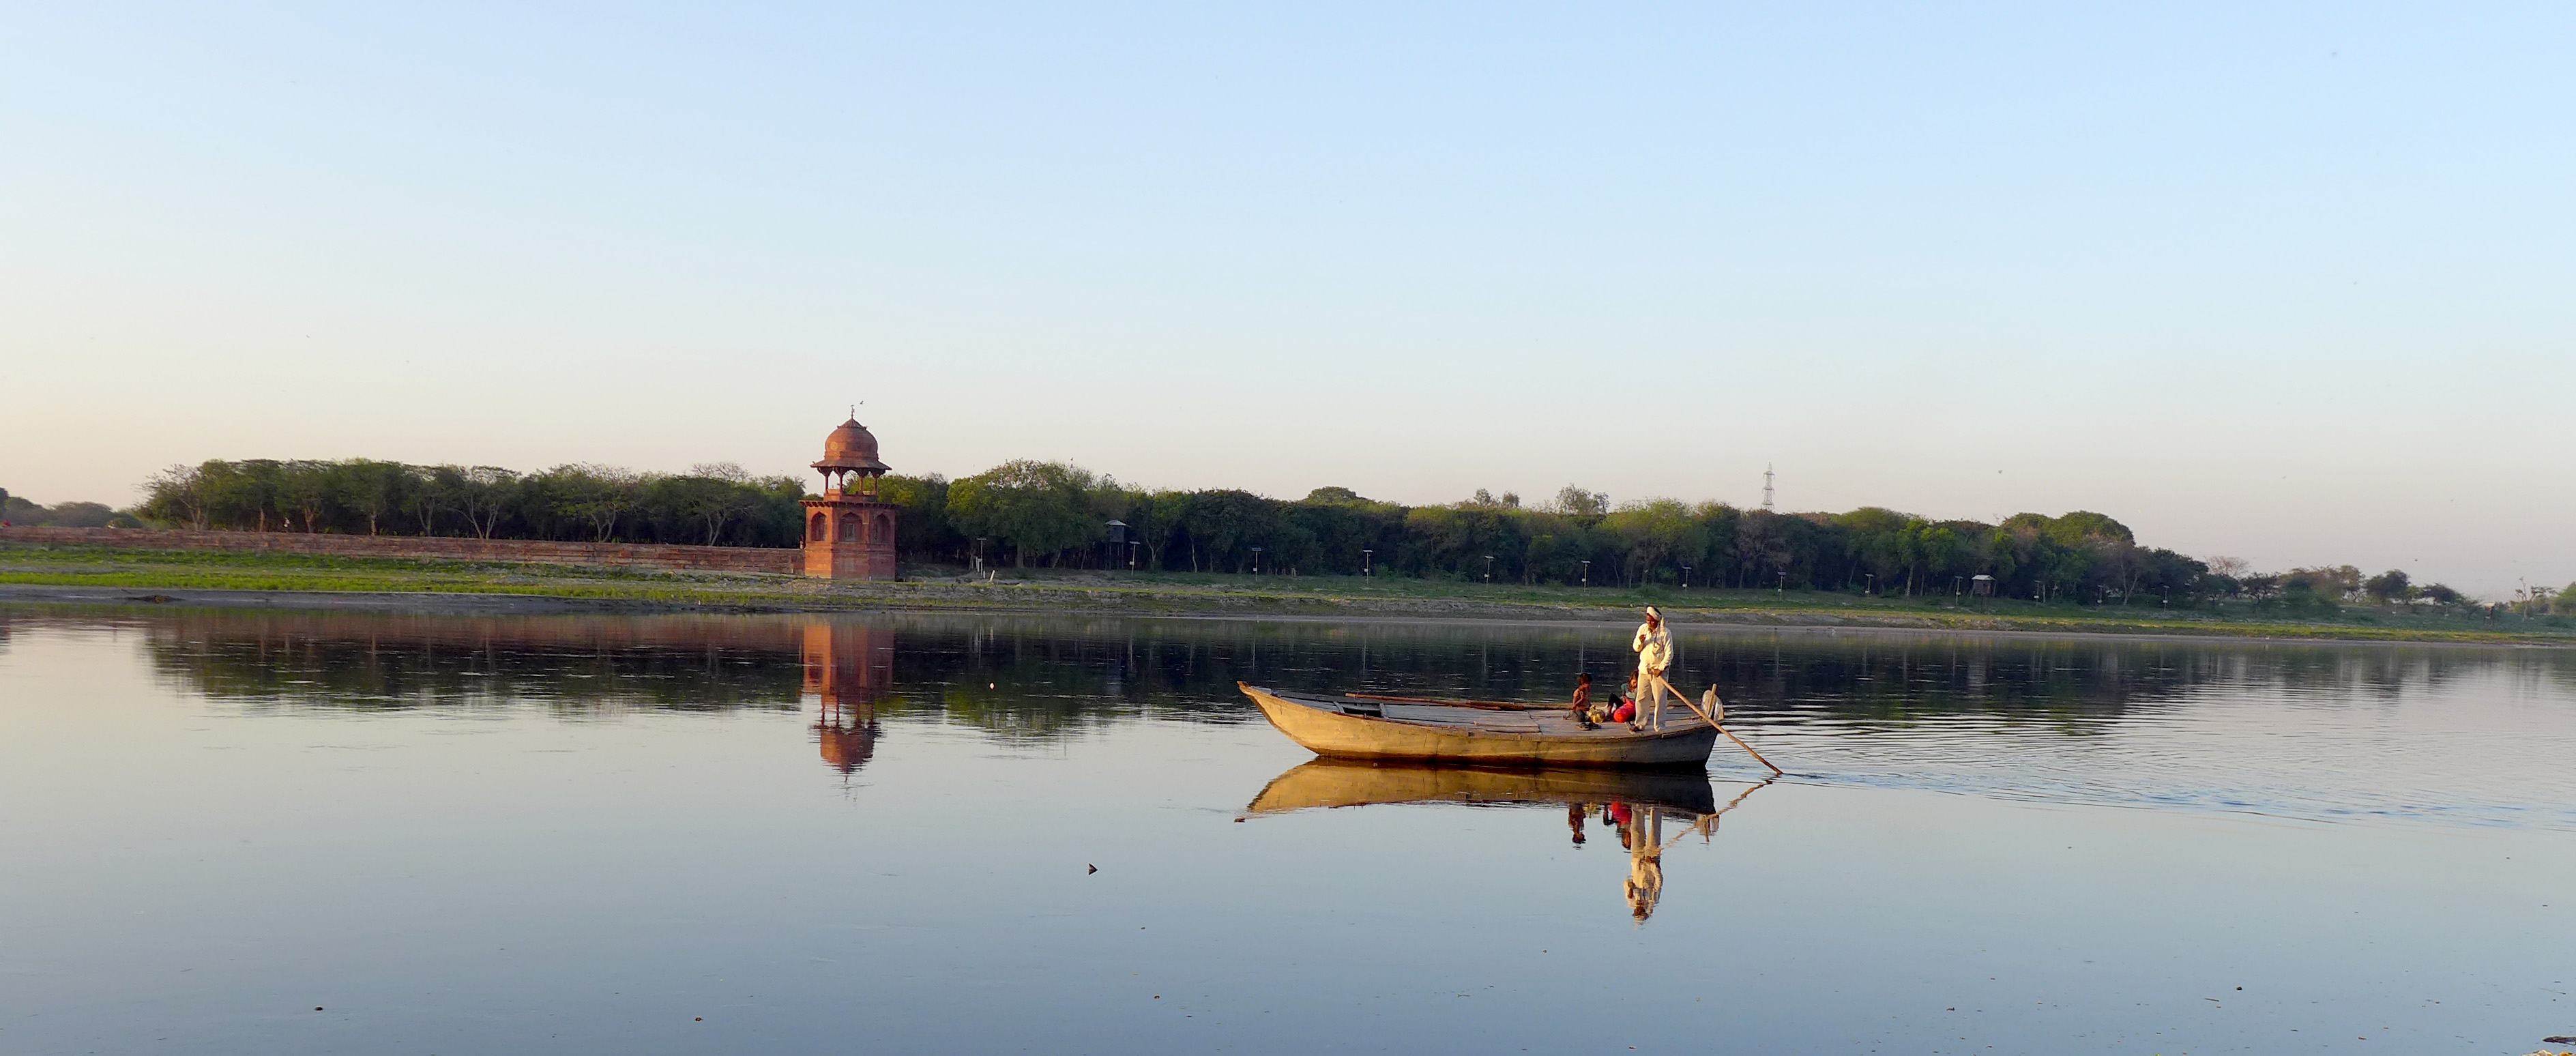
(1030, 599)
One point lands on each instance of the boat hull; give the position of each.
(1327, 731)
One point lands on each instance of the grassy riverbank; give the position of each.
(172, 573)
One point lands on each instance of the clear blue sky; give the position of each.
(2290, 283)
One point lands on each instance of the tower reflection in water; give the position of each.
(848, 669)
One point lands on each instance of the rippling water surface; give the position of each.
(279, 832)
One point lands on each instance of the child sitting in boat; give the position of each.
(1625, 709)
(1582, 709)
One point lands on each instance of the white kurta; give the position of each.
(1654, 648)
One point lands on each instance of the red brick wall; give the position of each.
(777, 560)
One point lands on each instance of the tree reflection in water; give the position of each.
(1041, 679)
(1876, 707)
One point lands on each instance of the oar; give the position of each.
(1708, 822)
(1739, 741)
(1703, 714)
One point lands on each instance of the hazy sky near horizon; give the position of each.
(2289, 282)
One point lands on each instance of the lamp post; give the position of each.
(1131, 555)
(1783, 588)
(1686, 575)
(1489, 568)
(1367, 565)
(1870, 583)
(1587, 573)
(1256, 560)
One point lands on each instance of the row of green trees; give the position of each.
(1037, 513)
(1051, 514)
(715, 505)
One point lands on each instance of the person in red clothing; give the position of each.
(1626, 711)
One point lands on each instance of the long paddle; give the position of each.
(1707, 823)
(1739, 741)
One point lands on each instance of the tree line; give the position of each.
(1052, 514)
(711, 505)
(1043, 513)
(15, 510)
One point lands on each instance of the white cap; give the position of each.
(1650, 611)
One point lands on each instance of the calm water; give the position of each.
(691, 834)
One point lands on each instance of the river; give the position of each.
(276, 832)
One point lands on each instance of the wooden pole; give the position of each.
(1703, 714)
(1739, 741)
(1707, 823)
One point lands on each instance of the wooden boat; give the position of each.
(1335, 783)
(1486, 732)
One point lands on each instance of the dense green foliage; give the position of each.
(711, 505)
(1058, 515)
(1049, 514)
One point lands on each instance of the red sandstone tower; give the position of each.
(849, 532)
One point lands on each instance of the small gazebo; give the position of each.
(849, 531)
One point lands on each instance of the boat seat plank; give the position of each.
(1460, 718)
(1552, 724)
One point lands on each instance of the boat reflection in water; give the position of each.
(1637, 805)
(848, 669)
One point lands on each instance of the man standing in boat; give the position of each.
(1654, 648)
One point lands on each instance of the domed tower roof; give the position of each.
(851, 447)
